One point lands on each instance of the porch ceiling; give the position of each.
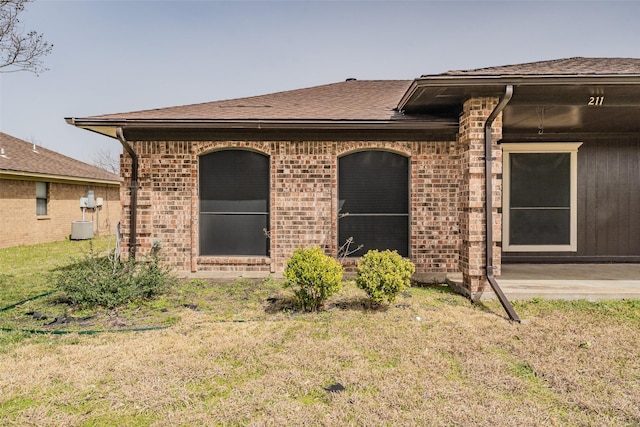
(575, 109)
(540, 107)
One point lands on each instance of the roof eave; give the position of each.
(21, 175)
(523, 79)
(500, 81)
(407, 95)
(108, 126)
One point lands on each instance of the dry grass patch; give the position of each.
(239, 355)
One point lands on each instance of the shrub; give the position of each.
(313, 276)
(103, 281)
(382, 275)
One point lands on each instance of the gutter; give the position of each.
(133, 209)
(504, 100)
(107, 126)
(19, 175)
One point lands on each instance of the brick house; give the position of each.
(40, 193)
(237, 185)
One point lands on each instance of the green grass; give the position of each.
(29, 301)
(624, 310)
(239, 353)
(25, 268)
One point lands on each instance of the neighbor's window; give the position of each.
(540, 197)
(373, 194)
(42, 197)
(234, 203)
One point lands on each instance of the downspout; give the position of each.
(133, 209)
(504, 100)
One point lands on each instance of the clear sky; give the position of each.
(117, 56)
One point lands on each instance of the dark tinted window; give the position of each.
(540, 179)
(234, 203)
(374, 182)
(373, 192)
(540, 198)
(540, 227)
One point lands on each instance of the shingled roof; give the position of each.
(372, 104)
(348, 100)
(577, 66)
(18, 157)
(447, 91)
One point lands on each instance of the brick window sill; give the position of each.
(233, 260)
(42, 217)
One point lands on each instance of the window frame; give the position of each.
(235, 213)
(371, 215)
(45, 198)
(570, 148)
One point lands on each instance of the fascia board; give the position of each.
(22, 176)
(108, 126)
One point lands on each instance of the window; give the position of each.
(42, 198)
(373, 193)
(540, 197)
(234, 203)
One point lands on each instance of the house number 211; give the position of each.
(596, 100)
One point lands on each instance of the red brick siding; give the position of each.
(166, 177)
(303, 200)
(304, 189)
(472, 192)
(435, 214)
(446, 191)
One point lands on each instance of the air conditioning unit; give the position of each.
(81, 230)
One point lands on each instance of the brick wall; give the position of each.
(304, 205)
(167, 182)
(435, 213)
(21, 226)
(472, 193)
(303, 200)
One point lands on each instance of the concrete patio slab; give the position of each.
(569, 281)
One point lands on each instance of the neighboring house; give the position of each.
(237, 185)
(40, 193)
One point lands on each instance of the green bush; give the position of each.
(382, 275)
(313, 276)
(101, 281)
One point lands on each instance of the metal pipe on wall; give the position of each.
(488, 158)
(133, 209)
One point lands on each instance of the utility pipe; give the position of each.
(504, 100)
(133, 209)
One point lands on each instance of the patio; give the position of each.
(569, 281)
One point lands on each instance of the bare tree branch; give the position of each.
(105, 159)
(19, 50)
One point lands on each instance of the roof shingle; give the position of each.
(20, 156)
(348, 100)
(354, 100)
(558, 67)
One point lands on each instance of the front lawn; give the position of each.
(238, 353)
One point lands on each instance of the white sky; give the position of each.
(117, 56)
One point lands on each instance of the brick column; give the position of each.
(472, 193)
